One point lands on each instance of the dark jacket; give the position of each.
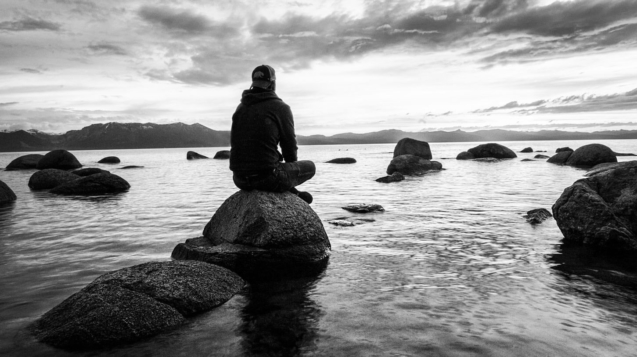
(261, 122)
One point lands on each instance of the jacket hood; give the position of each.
(256, 95)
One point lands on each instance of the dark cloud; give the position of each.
(7, 104)
(106, 49)
(185, 22)
(30, 70)
(29, 24)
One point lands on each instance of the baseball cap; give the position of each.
(264, 73)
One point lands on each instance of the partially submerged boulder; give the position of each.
(25, 162)
(58, 159)
(260, 232)
(591, 155)
(412, 165)
(527, 150)
(600, 210)
(93, 185)
(89, 171)
(465, 155)
(6, 193)
(134, 303)
(538, 215)
(191, 155)
(222, 155)
(540, 156)
(560, 158)
(408, 146)
(492, 150)
(394, 177)
(50, 178)
(110, 160)
(364, 208)
(342, 160)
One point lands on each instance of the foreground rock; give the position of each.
(591, 155)
(600, 210)
(492, 150)
(222, 155)
(93, 185)
(536, 216)
(560, 158)
(412, 165)
(191, 155)
(394, 177)
(58, 159)
(90, 171)
(6, 193)
(527, 150)
(25, 162)
(408, 146)
(110, 160)
(261, 232)
(134, 303)
(342, 160)
(50, 178)
(364, 208)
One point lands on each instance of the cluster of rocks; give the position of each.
(411, 158)
(585, 156)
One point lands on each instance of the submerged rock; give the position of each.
(93, 185)
(408, 146)
(342, 160)
(465, 155)
(623, 154)
(25, 162)
(539, 156)
(134, 303)
(538, 215)
(6, 193)
(50, 178)
(341, 223)
(527, 150)
(600, 210)
(110, 160)
(492, 150)
(261, 232)
(364, 208)
(394, 177)
(527, 160)
(191, 155)
(412, 165)
(58, 159)
(131, 167)
(222, 155)
(89, 171)
(560, 158)
(591, 155)
(487, 159)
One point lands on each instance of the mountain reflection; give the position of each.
(280, 317)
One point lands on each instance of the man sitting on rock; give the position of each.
(262, 122)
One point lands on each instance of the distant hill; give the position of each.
(148, 135)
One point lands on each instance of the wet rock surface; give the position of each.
(412, 165)
(6, 193)
(50, 178)
(59, 159)
(94, 184)
(600, 210)
(25, 162)
(536, 216)
(408, 146)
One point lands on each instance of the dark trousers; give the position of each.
(284, 177)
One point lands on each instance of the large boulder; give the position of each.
(6, 193)
(137, 302)
(59, 159)
(25, 162)
(93, 185)
(601, 210)
(191, 155)
(412, 165)
(560, 158)
(342, 160)
(261, 232)
(50, 178)
(110, 160)
(591, 155)
(408, 146)
(222, 155)
(492, 150)
(465, 155)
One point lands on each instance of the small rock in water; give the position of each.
(538, 215)
(394, 177)
(527, 150)
(409, 146)
(222, 155)
(6, 193)
(541, 157)
(132, 167)
(623, 154)
(563, 149)
(364, 208)
(191, 155)
(527, 160)
(465, 155)
(110, 160)
(341, 223)
(487, 159)
(342, 160)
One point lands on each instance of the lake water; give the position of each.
(451, 268)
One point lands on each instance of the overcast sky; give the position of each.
(342, 66)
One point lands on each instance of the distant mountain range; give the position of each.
(148, 135)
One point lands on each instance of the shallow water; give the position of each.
(451, 268)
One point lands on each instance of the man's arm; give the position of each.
(288, 136)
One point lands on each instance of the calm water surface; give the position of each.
(451, 268)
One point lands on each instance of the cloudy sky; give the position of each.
(343, 66)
